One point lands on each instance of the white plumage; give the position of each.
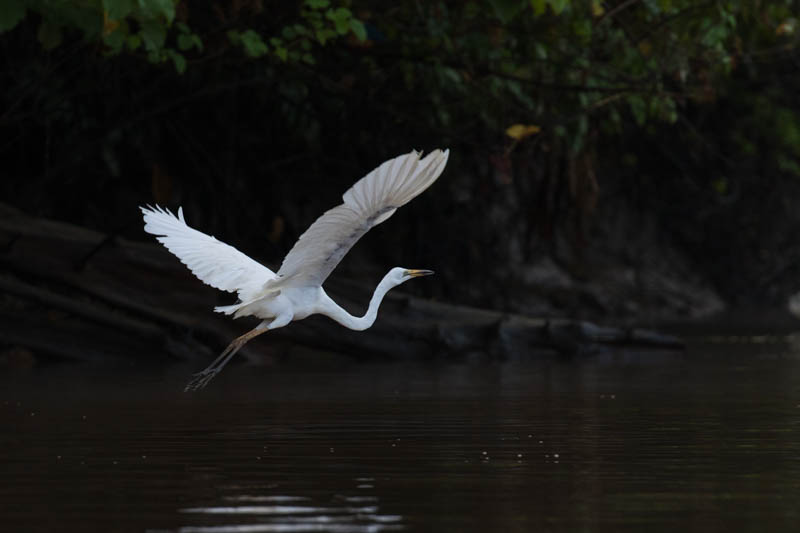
(215, 263)
(372, 200)
(296, 291)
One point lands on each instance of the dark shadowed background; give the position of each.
(608, 342)
(631, 160)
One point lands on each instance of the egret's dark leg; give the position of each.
(201, 379)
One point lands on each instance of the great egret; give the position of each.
(295, 292)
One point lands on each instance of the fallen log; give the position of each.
(80, 294)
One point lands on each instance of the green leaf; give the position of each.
(318, 4)
(789, 165)
(324, 35)
(720, 185)
(49, 35)
(184, 42)
(539, 7)
(668, 110)
(11, 13)
(282, 53)
(153, 35)
(558, 6)
(638, 108)
(117, 9)
(155, 8)
(582, 28)
(358, 29)
(341, 19)
(115, 40)
(187, 41)
(254, 45)
(155, 56)
(90, 21)
(178, 60)
(507, 9)
(134, 42)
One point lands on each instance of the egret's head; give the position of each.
(400, 275)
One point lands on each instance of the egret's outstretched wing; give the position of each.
(214, 262)
(373, 199)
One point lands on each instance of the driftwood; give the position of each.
(77, 293)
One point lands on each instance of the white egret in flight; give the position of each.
(295, 292)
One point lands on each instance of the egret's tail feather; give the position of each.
(228, 309)
(244, 308)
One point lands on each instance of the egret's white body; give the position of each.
(295, 292)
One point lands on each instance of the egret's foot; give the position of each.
(201, 379)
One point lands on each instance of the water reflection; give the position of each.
(281, 513)
(706, 440)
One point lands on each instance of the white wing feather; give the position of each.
(372, 200)
(215, 263)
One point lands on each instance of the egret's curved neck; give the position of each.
(331, 309)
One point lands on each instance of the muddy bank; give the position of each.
(75, 293)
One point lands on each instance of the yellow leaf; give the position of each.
(109, 25)
(597, 8)
(520, 131)
(786, 27)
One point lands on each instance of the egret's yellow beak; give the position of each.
(418, 273)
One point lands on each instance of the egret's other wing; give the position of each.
(213, 262)
(373, 199)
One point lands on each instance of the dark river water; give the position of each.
(703, 440)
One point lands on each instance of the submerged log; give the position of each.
(76, 293)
